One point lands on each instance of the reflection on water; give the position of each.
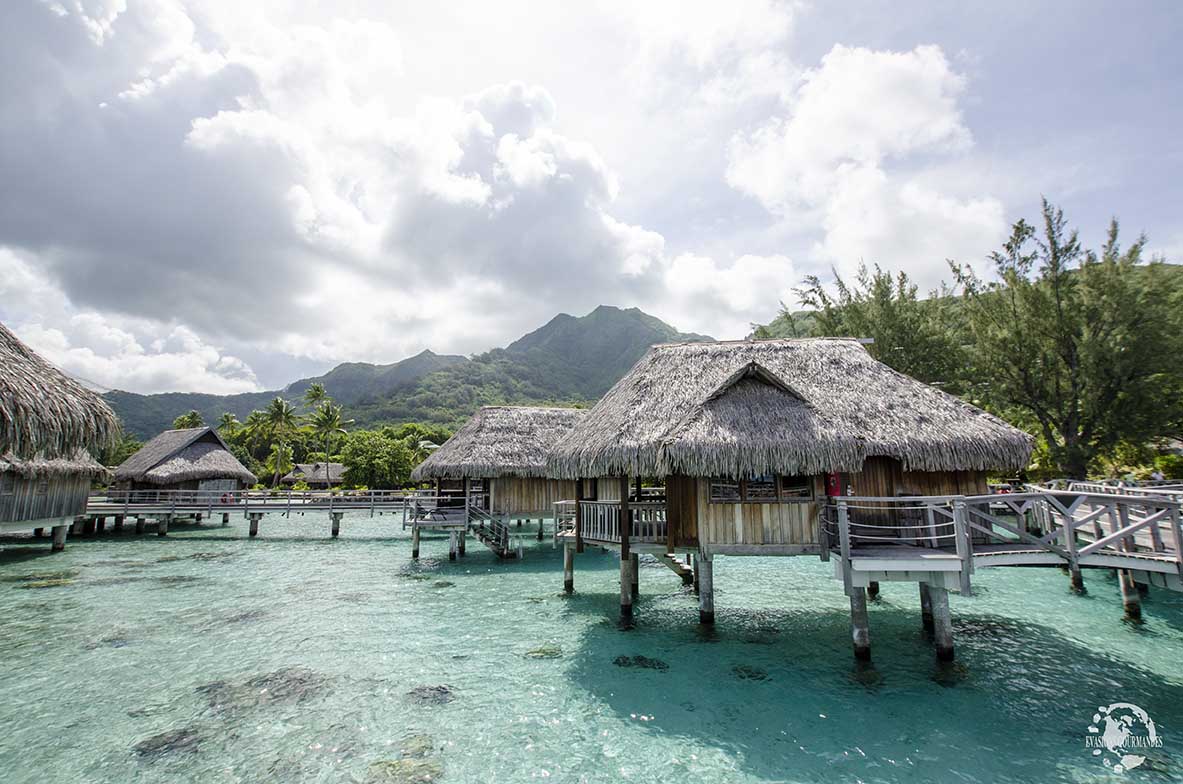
(206, 656)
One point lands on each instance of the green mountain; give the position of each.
(568, 360)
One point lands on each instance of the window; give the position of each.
(724, 491)
(796, 488)
(767, 489)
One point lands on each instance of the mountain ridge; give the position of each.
(569, 360)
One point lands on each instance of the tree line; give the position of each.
(1078, 346)
(270, 441)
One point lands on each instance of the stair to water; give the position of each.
(677, 567)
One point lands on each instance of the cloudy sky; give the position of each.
(224, 196)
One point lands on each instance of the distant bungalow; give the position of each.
(498, 461)
(749, 438)
(193, 458)
(319, 476)
(48, 421)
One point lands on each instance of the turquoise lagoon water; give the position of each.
(209, 657)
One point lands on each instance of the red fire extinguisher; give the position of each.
(833, 484)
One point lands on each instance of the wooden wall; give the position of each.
(608, 488)
(529, 497)
(694, 520)
(40, 499)
(884, 476)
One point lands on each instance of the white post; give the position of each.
(704, 566)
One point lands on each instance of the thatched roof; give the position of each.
(500, 441)
(316, 474)
(778, 406)
(186, 455)
(80, 464)
(44, 414)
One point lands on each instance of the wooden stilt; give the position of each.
(926, 608)
(38, 532)
(59, 537)
(1076, 580)
(336, 518)
(1131, 601)
(118, 524)
(89, 526)
(568, 569)
(860, 624)
(162, 525)
(635, 574)
(540, 526)
(197, 519)
(694, 558)
(626, 587)
(704, 569)
(100, 525)
(873, 590)
(452, 546)
(414, 541)
(463, 543)
(225, 518)
(139, 525)
(942, 623)
(76, 527)
(254, 529)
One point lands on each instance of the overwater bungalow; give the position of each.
(48, 421)
(497, 461)
(195, 459)
(318, 476)
(756, 442)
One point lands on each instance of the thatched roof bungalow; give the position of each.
(750, 435)
(501, 452)
(193, 458)
(316, 475)
(48, 421)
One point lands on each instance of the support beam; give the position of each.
(59, 537)
(139, 525)
(568, 569)
(414, 541)
(225, 518)
(100, 525)
(162, 525)
(254, 529)
(634, 572)
(694, 561)
(451, 545)
(463, 543)
(118, 524)
(541, 523)
(336, 518)
(626, 561)
(1075, 579)
(926, 608)
(860, 624)
(76, 527)
(942, 623)
(38, 532)
(704, 566)
(1131, 599)
(873, 590)
(89, 526)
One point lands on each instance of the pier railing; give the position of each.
(600, 521)
(246, 502)
(1076, 529)
(564, 518)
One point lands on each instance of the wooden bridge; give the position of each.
(458, 516)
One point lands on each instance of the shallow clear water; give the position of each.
(295, 658)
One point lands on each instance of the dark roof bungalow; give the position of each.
(316, 474)
(191, 459)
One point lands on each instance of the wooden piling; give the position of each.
(59, 538)
(873, 590)
(451, 545)
(336, 518)
(635, 573)
(254, 529)
(118, 524)
(225, 518)
(541, 523)
(462, 545)
(860, 624)
(162, 525)
(100, 525)
(1131, 600)
(942, 623)
(926, 608)
(89, 526)
(693, 559)
(1075, 579)
(626, 561)
(139, 525)
(38, 532)
(414, 541)
(703, 567)
(76, 527)
(568, 569)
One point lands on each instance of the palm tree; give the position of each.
(282, 424)
(255, 430)
(228, 425)
(279, 460)
(315, 395)
(327, 422)
(185, 421)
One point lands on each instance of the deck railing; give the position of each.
(185, 502)
(600, 521)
